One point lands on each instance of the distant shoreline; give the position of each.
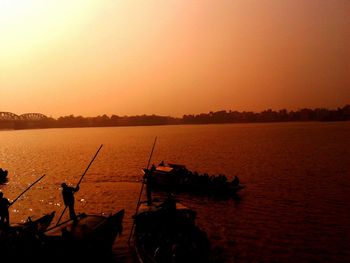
(152, 125)
(219, 117)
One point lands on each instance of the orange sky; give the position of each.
(172, 57)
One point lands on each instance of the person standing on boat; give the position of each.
(235, 181)
(68, 198)
(169, 204)
(4, 210)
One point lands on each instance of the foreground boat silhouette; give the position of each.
(37, 226)
(168, 233)
(89, 236)
(17, 240)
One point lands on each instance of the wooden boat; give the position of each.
(29, 227)
(17, 240)
(88, 237)
(177, 178)
(166, 232)
(37, 226)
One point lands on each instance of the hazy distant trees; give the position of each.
(269, 115)
(283, 115)
(320, 114)
(114, 120)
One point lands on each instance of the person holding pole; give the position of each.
(149, 179)
(5, 204)
(68, 199)
(149, 193)
(4, 210)
(68, 193)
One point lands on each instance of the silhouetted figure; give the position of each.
(153, 168)
(149, 183)
(3, 173)
(68, 198)
(169, 204)
(235, 181)
(4, 210)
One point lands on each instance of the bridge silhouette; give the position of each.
(9, 116)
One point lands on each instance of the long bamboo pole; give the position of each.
(143, 183)
(26, 190)
(81, 178)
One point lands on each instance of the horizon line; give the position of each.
(187, 114)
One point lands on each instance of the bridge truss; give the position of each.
(9, 116)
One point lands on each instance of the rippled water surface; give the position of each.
(295, 207)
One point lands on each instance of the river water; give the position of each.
(295, 208)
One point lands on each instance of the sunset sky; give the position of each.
(172, 57)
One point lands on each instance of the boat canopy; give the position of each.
(164, 169)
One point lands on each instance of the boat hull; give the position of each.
(178, 179)
(169, 236)
(89, 237)
(18, 241)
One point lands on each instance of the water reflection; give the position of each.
(279, 217)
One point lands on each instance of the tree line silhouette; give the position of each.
(283, 115)
(223, 116)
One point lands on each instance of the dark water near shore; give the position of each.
(296, 207)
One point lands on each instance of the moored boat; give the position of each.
(88, 236)
(38, 225)
(18, 240)
(167, 232)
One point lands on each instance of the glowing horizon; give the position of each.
(172, 58)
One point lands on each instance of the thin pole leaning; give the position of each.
(81, 178)
(26, 190)
(143, 183)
